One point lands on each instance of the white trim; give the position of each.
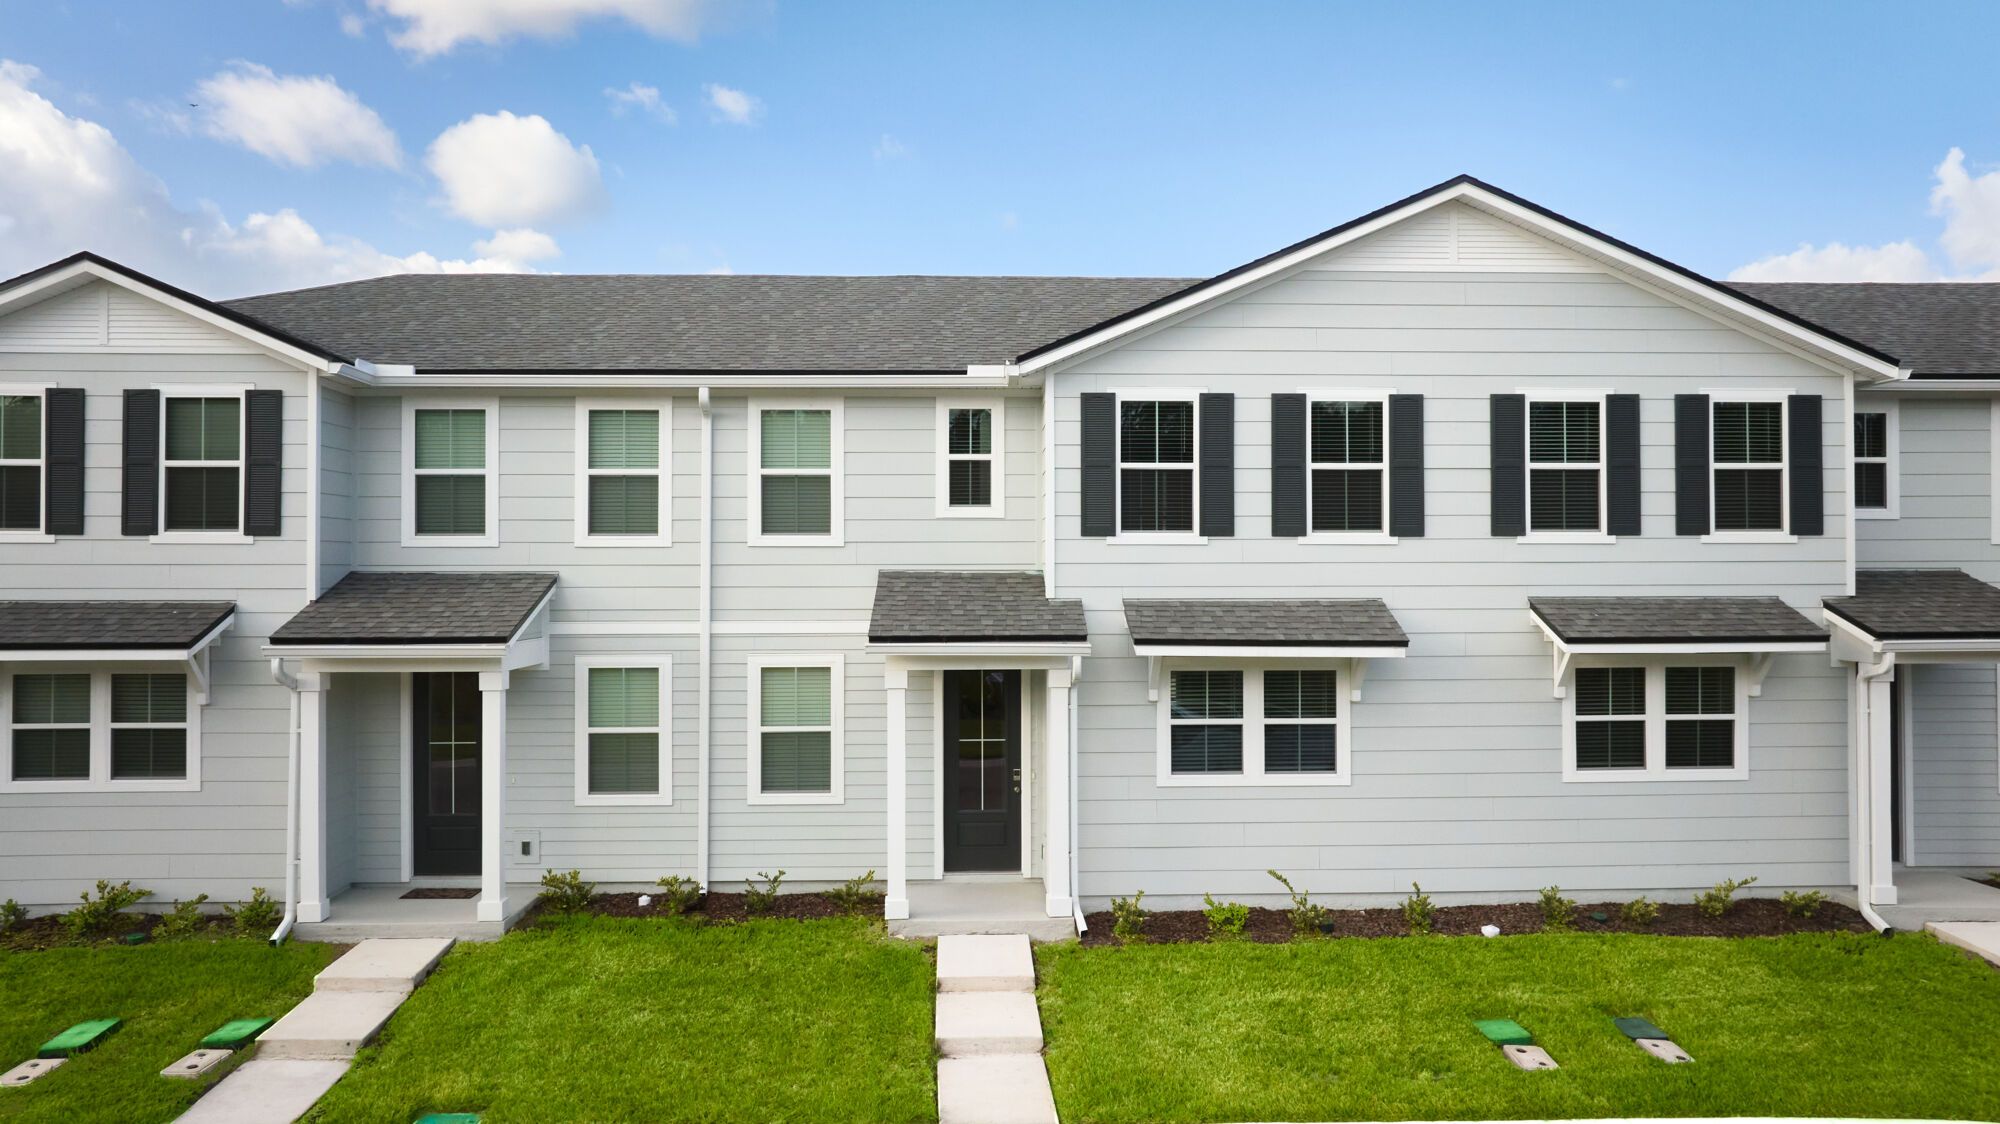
(753, 722)
(998, 649)
(1783, 532)
(100, 727)
(314, 439)
(40, 533)
(1532, 395)
(404, 378)
(1253, 723)
(836, 471)
(663, 472)
(1190, 537)
(1253, 652)
(1993, 470)
(662, 729)
(240, 392)
(1381, 535)
(1892, 460)
(996, 458)
(408, 476)
(1656, 719)
(406, 754)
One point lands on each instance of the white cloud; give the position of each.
(433, 27)
(730, 105)
(1836, 261)
(643, 98)
(295, 120)
(354, 25)
(1971, 209)
(1970, 240)
(889, 148)
(520, 244)
(501, 170)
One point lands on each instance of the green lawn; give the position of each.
(169, 995)
(609, 1019)
(1805, 1025)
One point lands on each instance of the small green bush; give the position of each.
(1802, 903)
(1716, 902)
(1128, 918)
(101, 913)
(256, 917)
(1640, 913)
(1225, 919)
(185, 919)
(760, 899)
(565, 893)
(1558, 912)
(852, 896)
(12, 915)
(1307, 919)
(1418, 912)
(678, 894)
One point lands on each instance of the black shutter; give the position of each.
(1621, 464)
(1217, 464)
(1406, 465)
(1802, 415)
(1508, 438)
(1288, 465)
(1691, 464)
(62, 485)
(1100, 465)
(140, 510)
(263, 462)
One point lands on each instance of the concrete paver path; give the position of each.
(989, 1034)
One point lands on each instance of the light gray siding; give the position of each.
(1954, 765)
(336, 487)
(1946, 468)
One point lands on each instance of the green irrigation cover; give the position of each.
(1638, 1028)
(234, 1034)
(79, 1038)
(449, 1118)
(1504, 1032)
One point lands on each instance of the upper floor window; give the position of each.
(970, 468)
(621, 467)
(20, 462)
(203, 465)
(1348, 462)
(1156, 473)
(450, 483)
(1749, 464)
(1566, 465)
(1656, 719)
(1875, 455)
(796, 495)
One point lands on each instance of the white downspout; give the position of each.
(291, 806)
(1075, 888)
(706, 632)
(1864, 773)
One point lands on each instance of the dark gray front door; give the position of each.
(444, 713)
(982, 761)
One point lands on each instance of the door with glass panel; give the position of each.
(982, 762)
(445, 715)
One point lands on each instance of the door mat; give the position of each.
(454, 892)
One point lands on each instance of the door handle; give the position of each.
(1017, 780)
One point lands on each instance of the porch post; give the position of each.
(1881, 872)
(313, 905)
(1055, 866)
(896, 681)
(492, 796)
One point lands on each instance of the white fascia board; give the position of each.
(409, 378)
(1943, 386)
(1269, 652)
(494, 652)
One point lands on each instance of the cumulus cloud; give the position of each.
(519, 245)
(730, 105)
(1837, 261)
(434, 27)
(295, 120)
(640, 98)
(497, 170)
(1970, 240)
(1971, 208)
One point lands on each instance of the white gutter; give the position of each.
(291, 806)
(704, 611)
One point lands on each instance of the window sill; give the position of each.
(1158, 538)
(1261, 780)
(987, 512)
(1572, 537)
(627, 800)
(794, 798)
(1877, 513)
(1349, 538)
(1657, 776)
(1749, 537)
(17, 787)
(25, 537)
(202, 538)
(797, 540)
(451, 540)
(626, 541)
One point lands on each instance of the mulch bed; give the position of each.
(452, 893)
(1992, 880)
(1749, 917)
(728, 909)
(38, 933)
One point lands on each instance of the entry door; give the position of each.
(444, 712)
(982, 760)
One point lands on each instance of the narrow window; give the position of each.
(204, 464)
(795, 730)
(20, 462)
(1701, 717)
(623, 471)
(1749, 466)
(450, 469)
(795, 467)
(1871, 461)
(1205, 722)
(51, 727)
(148, 727)
(969, 452)
(1300, 714)
(1611, 718)
(1347, 466)
(1156, 465)
(624, 731)
(1565, 466)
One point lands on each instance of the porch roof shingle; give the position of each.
(1674, 620)
(82, 625)
(1920, 605)
(418, 608)
(947, 606)
(1264, 623)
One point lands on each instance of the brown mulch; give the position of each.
(452, 893)
(727, 909)
(45, 932)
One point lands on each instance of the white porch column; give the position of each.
(313, 905)
(492, 796)
(1055, 866)
(896, 681)
(1881, 873)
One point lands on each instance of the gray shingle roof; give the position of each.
(945, 606)
(615, 322)
(1356, 622)
(1920, 605)
(418, 608)
(1674, 620)
(1941, 329)
(28, 625)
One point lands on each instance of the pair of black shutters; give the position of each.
(263, 463)
(1692, 465)
(1215, 465)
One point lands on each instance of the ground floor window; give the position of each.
(68, 731)
(1652, 720)
(624, 732)
(795, 739)
(1252, 725)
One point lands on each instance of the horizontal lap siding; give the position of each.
(1946, 513)
(1954, 764)
(336, 486)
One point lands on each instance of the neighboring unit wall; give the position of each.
(1954, 765)
(336, 487)
(1946, 512)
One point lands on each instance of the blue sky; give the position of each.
(952, 137)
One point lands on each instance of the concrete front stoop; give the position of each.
(989, 1034)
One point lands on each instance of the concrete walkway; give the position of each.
(1935, 893)
(1981, 938)
(989, 1034)
(305, 1052)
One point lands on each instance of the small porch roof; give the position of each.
(1640, 623)
(943, 611)
(422, 615)
(1349, 627)
(101, 630)
(1925, 615)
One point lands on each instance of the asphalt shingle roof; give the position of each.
(1940, 329)
(1674, 620)
(26, 625)
(944, 606)
(418, 608)
(1356, 622)
(1920, 605)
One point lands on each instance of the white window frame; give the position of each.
(41, 533)
(100, 730)
(1892, 477)
(586, 798)
(1253, 774)
(1191, 536)
(1532, 395)
(996, 508)
(663, 473)
(1734, 394)
(1656, 720)
(491, 472)
(241, 464)
(836, 472)
(753, 722)
(1349, 394)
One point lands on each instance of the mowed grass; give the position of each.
(600, 1019)
(1835, 1025)
(169, 995)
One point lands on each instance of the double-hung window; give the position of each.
(622, 454)
(451, 487)
(203, 464)
(149, 714)
(1565, 463)
(624, 730)
(20, 462)
(1749, 464)
(51, 727)
(796, 493)
(1610, 718)
(1205, 721)
(1237, 725)
(795, 747)
(1301, 714)
(1701, 717)
(1875, 455)
(98, 730)
(1156, 467)
(1349, 461)
(1664, 718)
(971, 480)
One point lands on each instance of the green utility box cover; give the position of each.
(1638, 1028)
(1504, 1032)
(449, 1118)
(234, 1034)
(83, 1036)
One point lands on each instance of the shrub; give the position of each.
(1802, 903)
(565, 893)
(185, 919)
(1640, 913)
(1225, 919)
(1558, 912)
(1128, 918)
(852, 895)
(760, 899)
(678, 894)
(12, 915)
(1716, 902)
(1418, 912)
(1306, 918)
(102, 912)
(256, 917)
